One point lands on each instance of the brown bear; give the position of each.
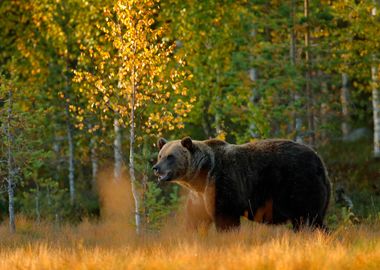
(269, 181)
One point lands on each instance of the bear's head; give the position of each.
(182, 160)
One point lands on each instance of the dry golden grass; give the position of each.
(112, 244)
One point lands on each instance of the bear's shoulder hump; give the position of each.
(215, 142)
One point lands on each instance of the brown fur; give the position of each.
(270, 181)
(264, 214)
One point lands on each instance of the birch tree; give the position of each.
(134, 71)
(53, 23)
(375, 97)
(11, 175)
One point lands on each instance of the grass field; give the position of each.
(113, 245)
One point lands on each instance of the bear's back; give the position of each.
(261, 154)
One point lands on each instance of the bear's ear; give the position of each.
(161, 142)
(187, 143)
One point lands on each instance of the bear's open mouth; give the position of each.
(165, 177)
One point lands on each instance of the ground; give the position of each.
(113, 245)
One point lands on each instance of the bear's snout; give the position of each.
(163, 173)
(156, 169)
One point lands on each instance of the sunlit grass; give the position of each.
(113, 245)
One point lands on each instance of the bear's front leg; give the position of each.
(196, 213)
(224, 222)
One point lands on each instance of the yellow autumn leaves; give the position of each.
(133, 61)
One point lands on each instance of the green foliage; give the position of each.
(191, 66)
(366, 203)
(341, 217)
(44, 201)
(350, 166)
(158, 206)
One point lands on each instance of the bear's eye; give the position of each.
(170, 157)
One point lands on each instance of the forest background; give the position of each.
(89, 86)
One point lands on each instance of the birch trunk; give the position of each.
(218, 118)
(70, 141)
(71, 161)
(218, 115)
(252, 126)
(132, 153)
(11, 169)
(344, 99)
(375, 101)
(376, 112)
(144, 182)
(69, 129)
(67, 87)
(117, 148)
(94, 162)
(117, 143)
(254, 94)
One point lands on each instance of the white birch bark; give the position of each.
(11, 170)
(375, 101)
(71, 162)
(135, 194)
(70, 141)
(218, 121)
(94, 162)
(253, 77)
(376, 111)
(69, 132)
(117, 148)
(218, 116)
(117, 143)
(344, 99)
